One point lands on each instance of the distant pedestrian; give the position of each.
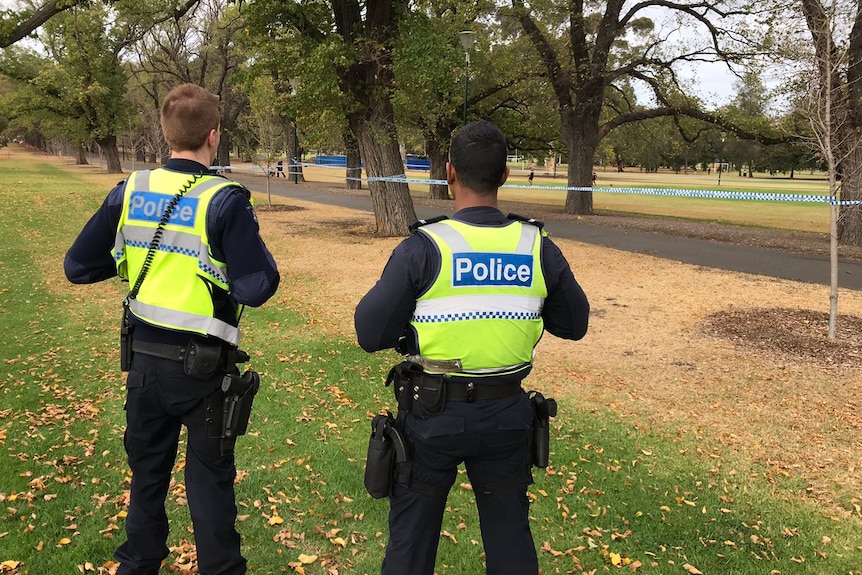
(279, 169)
(532, 175)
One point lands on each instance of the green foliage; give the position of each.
(293, 41)
(75, 93)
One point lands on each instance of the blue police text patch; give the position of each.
(492, 269)
(150, 206)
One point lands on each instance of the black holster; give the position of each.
(229, 408)
(417, 392)
(387, 454)
(543, 410)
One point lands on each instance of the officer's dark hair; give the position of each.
(189, 112)
(478, 154)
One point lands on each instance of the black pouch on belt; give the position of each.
(202, 359)
(429, 396)
(417, 392)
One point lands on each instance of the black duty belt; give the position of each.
(472, 391)
(163, 350)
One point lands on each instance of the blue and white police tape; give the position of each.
(681, 193)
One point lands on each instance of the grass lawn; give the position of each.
(625, 492)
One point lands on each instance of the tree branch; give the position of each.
(42, 14)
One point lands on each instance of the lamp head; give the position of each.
(467, 37)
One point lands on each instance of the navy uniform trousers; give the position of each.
(160, 400)
(492, 438)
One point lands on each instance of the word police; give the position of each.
(490, 269)
(150, 206)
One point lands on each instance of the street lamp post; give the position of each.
(466, 37)
(721, 157)
(294, 83)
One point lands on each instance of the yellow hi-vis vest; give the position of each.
(176, 292)
(485, 305)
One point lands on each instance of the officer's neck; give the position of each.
(201, 156)
(466, 198)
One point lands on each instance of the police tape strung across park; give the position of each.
(682, 193)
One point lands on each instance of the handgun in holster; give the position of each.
(387, 455)
(543, 410)
(238, 393)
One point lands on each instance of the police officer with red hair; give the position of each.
(188, 243)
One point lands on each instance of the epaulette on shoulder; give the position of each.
(416, 225)
(239, 187)
(538, 223)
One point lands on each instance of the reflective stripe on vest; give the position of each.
(491, 287)
(176, 292)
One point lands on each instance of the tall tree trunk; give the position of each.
(224, 147)
(81, 154)
(438, 158)
(391, 201)
(580, 147)
(112, 153)
(292, 149)
(437, 148)
(354, 161)
(368, 82)
(850, 217)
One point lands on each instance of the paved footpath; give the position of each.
(746, 259)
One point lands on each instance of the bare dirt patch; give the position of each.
(796, 334)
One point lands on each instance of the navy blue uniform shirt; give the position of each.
(234, 239)
(384, 314)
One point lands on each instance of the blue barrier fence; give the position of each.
(412, 162)
(331, 160)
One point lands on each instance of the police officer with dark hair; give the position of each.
(466, 300)
(188, 243)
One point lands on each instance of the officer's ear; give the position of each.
(451, 175)
(505, 176)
